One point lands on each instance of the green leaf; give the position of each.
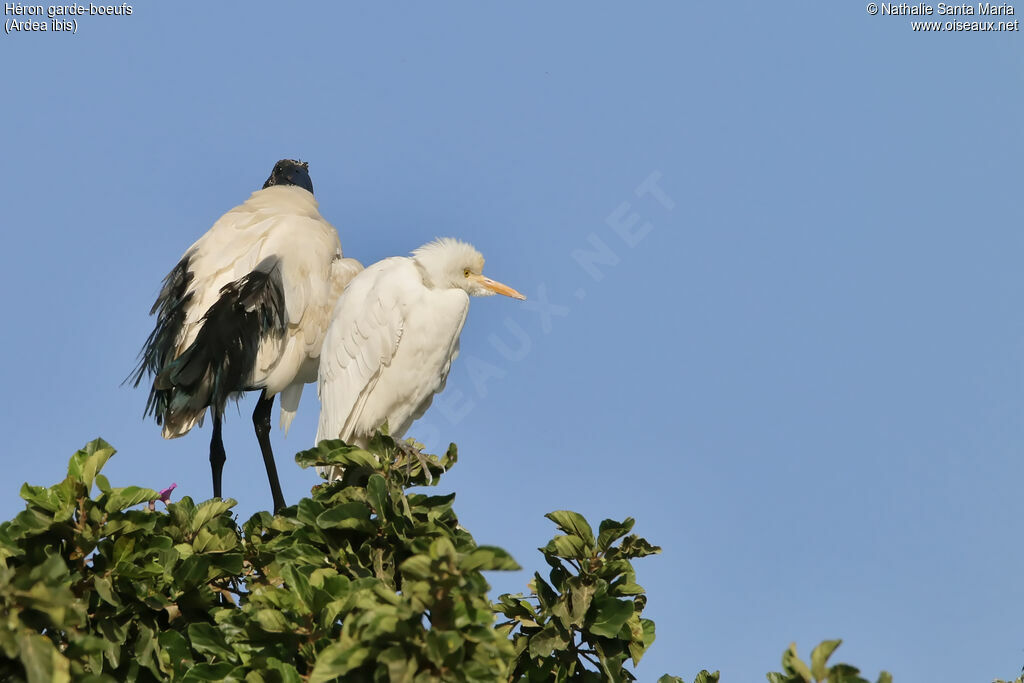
(450, 457)
(122, 498)
(706, 676)
(42, 662)
(640, 642)
(29, 522)
(209, 509)
(98, 452)
(87, 462)
(347, 516)
(844, 673)
(441, 644)
(581, 593)
(271, 620)
(568, 547)
(207, 541)
(336, 452)
(545, 594)
(548, 640)
(608, 615)
(221, 671)
(40, 496)
(299, 583)
(611, 664)
(819, 658)
(793, 665)
(105, 590)
(400, 666)
(286, 672)
(442, 548)
(175, 654)
(634, 546)
(377, 490)
(610, 531)
(417, 567)
(574, 524)
(336, 660)
(207, 639)
(489, 558)
(624, 588)
(886, 677)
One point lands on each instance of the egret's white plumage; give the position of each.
(393, 336)
(246, 308)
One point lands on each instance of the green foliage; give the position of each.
(584, 622)
(795, 670)
(703, 677)
(364, 580)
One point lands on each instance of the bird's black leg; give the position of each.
(217, 456)
(261, 421)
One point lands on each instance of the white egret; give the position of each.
(246, 309)
(392, 339)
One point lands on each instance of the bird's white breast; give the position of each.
(387, 351)
(433, 323)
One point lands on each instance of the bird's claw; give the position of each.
(410, 451)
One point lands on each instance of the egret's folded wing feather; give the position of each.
(362, 339)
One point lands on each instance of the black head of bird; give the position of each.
(290, 172)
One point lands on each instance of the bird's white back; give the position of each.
(283, 224)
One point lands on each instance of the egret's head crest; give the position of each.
(446, 260)
(450, 249)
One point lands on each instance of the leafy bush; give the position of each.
(364, 580)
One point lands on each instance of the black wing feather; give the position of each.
(217, 365)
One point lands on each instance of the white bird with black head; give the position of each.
(392, 339)
(246, 309)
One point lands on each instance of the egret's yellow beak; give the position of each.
(497, 287)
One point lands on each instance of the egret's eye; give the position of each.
(466, 272)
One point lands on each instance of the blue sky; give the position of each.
(801, 372)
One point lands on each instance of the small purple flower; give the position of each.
(165, 495)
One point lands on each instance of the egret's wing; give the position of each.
(442, 377)
(362, 339)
